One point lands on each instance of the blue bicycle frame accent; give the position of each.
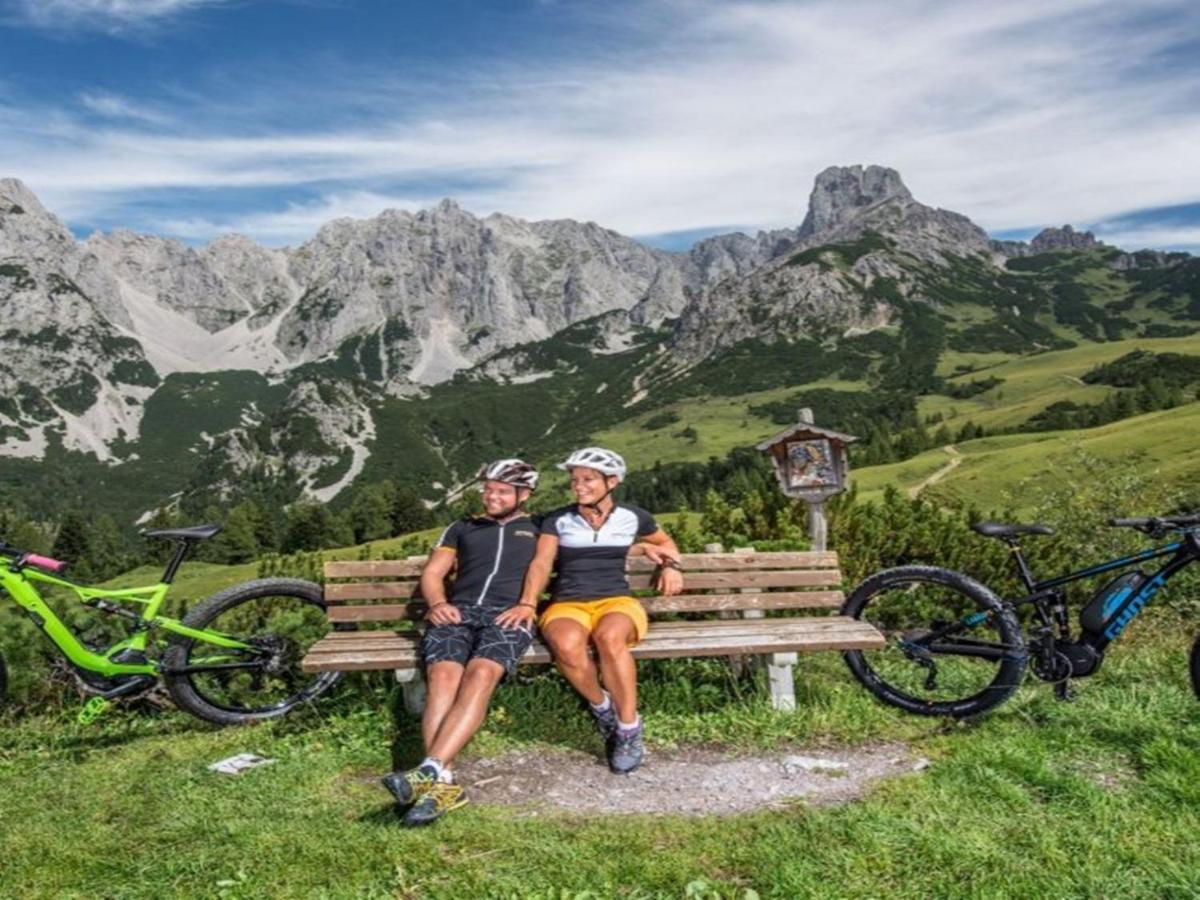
(1111, 566)
(1182, 553)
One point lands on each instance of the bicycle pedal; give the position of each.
(93, 710)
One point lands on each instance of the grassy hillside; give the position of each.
(994, 470)
(1031, 383)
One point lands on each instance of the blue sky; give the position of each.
(664, 119)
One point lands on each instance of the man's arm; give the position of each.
(537, 576)
(433, 587)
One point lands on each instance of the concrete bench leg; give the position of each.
(413, 681)
(779, 679)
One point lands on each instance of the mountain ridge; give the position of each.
(403, 330)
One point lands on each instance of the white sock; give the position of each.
(603, 705)
(629, 726)
(435, 764)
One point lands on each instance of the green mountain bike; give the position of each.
(234, 658)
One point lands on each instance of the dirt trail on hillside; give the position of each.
(955, 461)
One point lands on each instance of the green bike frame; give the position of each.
(21, 586)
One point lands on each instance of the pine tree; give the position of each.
(106, 549)
(238, 540)
(309, 526)
(410, 514)
(371, 513)
(71, 544)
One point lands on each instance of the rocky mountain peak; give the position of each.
(1065, 238)
(16, 198)
(843, 193)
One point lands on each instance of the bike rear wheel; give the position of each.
(280, 618)
(953, 649)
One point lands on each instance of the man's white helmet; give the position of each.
(596, 458)
(516, 472)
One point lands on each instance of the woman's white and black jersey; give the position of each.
(591, 561)
(492, 559)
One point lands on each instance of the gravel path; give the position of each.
(683, 782)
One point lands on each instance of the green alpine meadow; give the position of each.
(644, 450)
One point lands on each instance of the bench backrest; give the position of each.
(389, 590)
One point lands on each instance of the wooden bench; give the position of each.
(729, 608)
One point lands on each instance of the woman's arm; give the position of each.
(656, 553)
(662, 550)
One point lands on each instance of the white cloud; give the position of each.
(114, 106)
(292, 225)
(1018, 114)
(113, 16)
(1177, 237)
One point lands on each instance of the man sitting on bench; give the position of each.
(470, 644)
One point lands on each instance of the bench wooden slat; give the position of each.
(390, 590)
(653, 605)
(374, 590)
(400, 651)
(787, 578)
(383, 612)
(658, 631)
(708, 562)
(715, 602)
(696, 562)
(374, 568)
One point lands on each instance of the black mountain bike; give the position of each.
(955, 648)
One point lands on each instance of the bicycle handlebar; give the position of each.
(1157, 523)
(25, 558)
(54, 566)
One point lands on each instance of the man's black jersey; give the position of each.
(492, 559)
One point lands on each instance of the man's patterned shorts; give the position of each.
(476, 637)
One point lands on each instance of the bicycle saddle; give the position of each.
(1000, 530)
(192, 533)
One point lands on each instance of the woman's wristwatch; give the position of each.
(671, 564)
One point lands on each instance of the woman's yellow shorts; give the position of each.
(588, 613)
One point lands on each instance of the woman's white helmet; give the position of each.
(516, 472)
(596, 458)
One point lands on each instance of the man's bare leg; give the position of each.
(444, 679)
(468, 711)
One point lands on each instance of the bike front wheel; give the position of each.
(279, 618)
(953, 649)
(1194, 667)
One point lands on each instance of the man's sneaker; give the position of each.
(606, 720)
(408, 787)
(625, 750)
(437, 800)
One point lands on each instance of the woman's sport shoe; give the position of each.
(606, 720)
(625, 750)
(408, 787)
(435, 802)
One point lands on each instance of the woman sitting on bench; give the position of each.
(586, 544)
